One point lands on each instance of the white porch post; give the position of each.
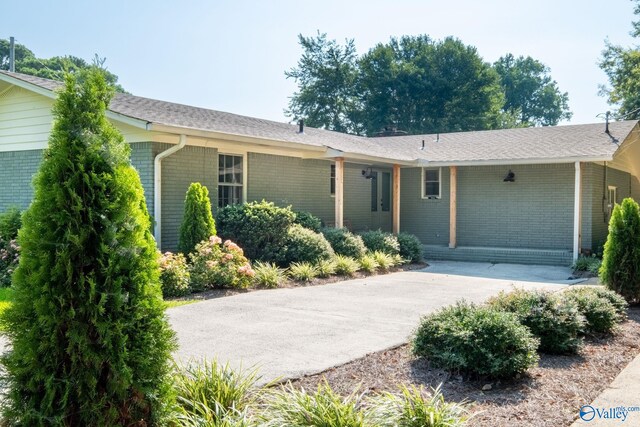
(339, 196)
(577, 211)
(396, 199)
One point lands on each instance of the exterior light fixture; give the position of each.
(367, 173)
(510, 176)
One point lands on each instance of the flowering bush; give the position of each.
(217, 265)
(174, 275)
(9, 257)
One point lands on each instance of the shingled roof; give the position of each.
(538, 144)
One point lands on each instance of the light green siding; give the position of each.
(191, 164)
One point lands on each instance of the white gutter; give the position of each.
(577, 201)
(506, 162)
(157, 187)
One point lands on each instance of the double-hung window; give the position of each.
(431, 183)
(230, 179)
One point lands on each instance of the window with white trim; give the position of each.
(230, 179)
(431, 183)
(612, 198)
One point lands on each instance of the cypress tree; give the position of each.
(197, 223)
(90, 340)
(620, 270)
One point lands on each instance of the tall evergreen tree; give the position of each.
(90, 340)
(197, 223)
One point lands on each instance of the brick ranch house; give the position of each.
(533, 195)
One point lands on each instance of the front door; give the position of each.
(381, 200)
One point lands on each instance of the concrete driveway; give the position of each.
(291, 332)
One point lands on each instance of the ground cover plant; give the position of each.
(90, 341)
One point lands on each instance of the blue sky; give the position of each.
(231, 55)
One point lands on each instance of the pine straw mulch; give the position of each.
(219, 293)
(549, 395)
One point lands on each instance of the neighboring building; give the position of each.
(537, 195)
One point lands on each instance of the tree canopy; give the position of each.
(419, 85)
(50, 68)
(531, 95)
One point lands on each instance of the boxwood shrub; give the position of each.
(304, 245)
(556, 321)
(308, 220)
(345, 242)
(410, 247)
(600, 314)
(378, 240)
(260, 228)
(476, 340)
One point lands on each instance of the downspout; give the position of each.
(157, 187)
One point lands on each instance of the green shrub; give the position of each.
(384, 260)
(378, 240)
(258, 227)
(90, 340)
(326, 408)
(590, 264)
(600, 314)
(326, 268)
(618, 302)
(304, 245)
(174, 275)
(345, 266)
(345, 242)
(476, 340)
(9, 259)
(410, 247)
(307, 220)
(368, 264)
(411, 409)
(303, 271)
(197, 222)
(556, 321)
(10, 223)
(620, 269)
(214, 394)
(268, 275)
(218, 265)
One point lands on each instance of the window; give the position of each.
(431, 183)
(612, 199)
(230, 179)
(332, 180)
(385, 201)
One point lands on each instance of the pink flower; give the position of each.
(228, 257)
(246, 270)
(215, 240)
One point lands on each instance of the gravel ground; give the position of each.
(549, 395)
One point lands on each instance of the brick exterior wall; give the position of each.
(16, 175)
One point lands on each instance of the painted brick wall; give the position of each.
(16, 174)
(597, 188)
(305, 185)
(427, 219)
(191, 164)
(535, 211)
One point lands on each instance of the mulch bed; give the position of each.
(549, 395)
(219, 293)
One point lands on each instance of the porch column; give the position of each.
(453, 205)
(577, 211)
(339, 196)
(396, 199)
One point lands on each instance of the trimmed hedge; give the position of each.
(345, 242)
(260, 228)
(378, 240)
(410, 247)
(197, 222)
(308, 220)
(476, 340)
(600, 313)
(304, 245)
(556, 321)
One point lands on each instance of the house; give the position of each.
(536, 195)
